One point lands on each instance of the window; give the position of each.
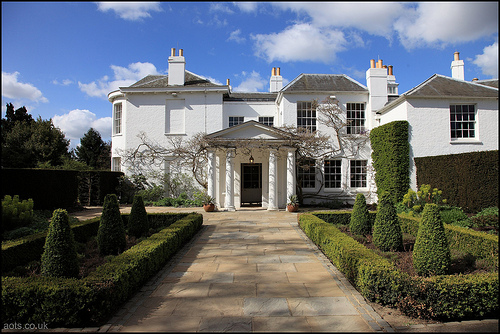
(358, 173)
(306, 116)
(116, 164)
(267, 120)
(306, 172)
(117, 118)
(333, 173)
(392, 90)
(462, 121)
(355, 118)
(235, 120)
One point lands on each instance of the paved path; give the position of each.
(248, 271)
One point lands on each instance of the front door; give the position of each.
(251, 184)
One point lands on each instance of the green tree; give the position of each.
(59, 258)
(27, 143)
(387, 234)
(138, 223)
(111, 237)
(431, 253)
(360, 218)
(94, 151)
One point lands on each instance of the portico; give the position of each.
(251, 164)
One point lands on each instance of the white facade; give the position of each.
(183, 104)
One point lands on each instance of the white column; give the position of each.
(290, 173)
(211, 173)
(273, 180)
(229, 200)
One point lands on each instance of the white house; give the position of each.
(447, 115)
(255, 162)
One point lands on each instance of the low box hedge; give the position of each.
(446, 297)
(92, 300)
(29, 248)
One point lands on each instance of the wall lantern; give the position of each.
(251, 159)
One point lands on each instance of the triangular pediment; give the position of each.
(250, 130)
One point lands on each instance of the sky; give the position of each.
(61, 59)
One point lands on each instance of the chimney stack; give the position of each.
(372, 63)
(276, 82)
(457, 67)
(176, 68)
(390, 70)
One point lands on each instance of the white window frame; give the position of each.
(330, 169)
(461, 123)
(116, 163)
(117, 118)
(309, 182)
(236, 120)
(306, 115)
(356, 118)
(358, 173)
(266, 120)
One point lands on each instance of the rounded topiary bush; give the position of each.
(431, 253)
(59, 257)
(360, 218)
(111, 237)
(387, 234)
(138, 223)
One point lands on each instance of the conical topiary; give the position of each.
(138, 223)
(431, 253)
(111, 237)
(387, 234)
(59, 257)
(360, 218)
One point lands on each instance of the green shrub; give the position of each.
(16, 213)
(111, 237)
(387, 234)
(138, 223)
(451, 214)
(59, 258)
(431, 253)
(360, 218)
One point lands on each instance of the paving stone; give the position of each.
(345, 324)
(316, 306)
(265, 307)
(281, 290)
(226, 324)
(280, 324)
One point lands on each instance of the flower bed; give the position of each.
(445, 297)
(93, 299)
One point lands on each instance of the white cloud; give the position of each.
(236, 36)
(77, 122)
(488, 60)
(132, 11)
(123, 76)
(65, 82)
(252, 82)
(220, 7)
(13, 89)
(245, 6)
(300, 42)
(441, 23)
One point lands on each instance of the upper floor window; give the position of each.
(462, 121)
(117, 118)
(392, 90)
(306, 173)
(306, 115)
(235, 120)
(333, 173)
(358, 173)
(116, 164)
(267, 120)
(355, 118)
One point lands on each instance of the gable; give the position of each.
(324, 82)
(250, 130)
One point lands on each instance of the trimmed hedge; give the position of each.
(446, 297)
(24, 250)
(92, 300)
(477, 173)
(391, 158)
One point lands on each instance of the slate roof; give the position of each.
(161, 81)
(251, 97)
(324, 82)
(441, 86)
(490, 83)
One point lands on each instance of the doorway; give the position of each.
(251, 184)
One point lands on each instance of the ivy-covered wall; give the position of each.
(391, 158)
(468, 180)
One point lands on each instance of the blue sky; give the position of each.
(61, 59)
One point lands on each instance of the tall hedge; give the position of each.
(111, 237)
(391, 158)
(59, 258)
(468, 180)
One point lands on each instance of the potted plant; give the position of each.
(208, 203)
(293, 204)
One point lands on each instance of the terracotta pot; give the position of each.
(209, 207)
(292, 208)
